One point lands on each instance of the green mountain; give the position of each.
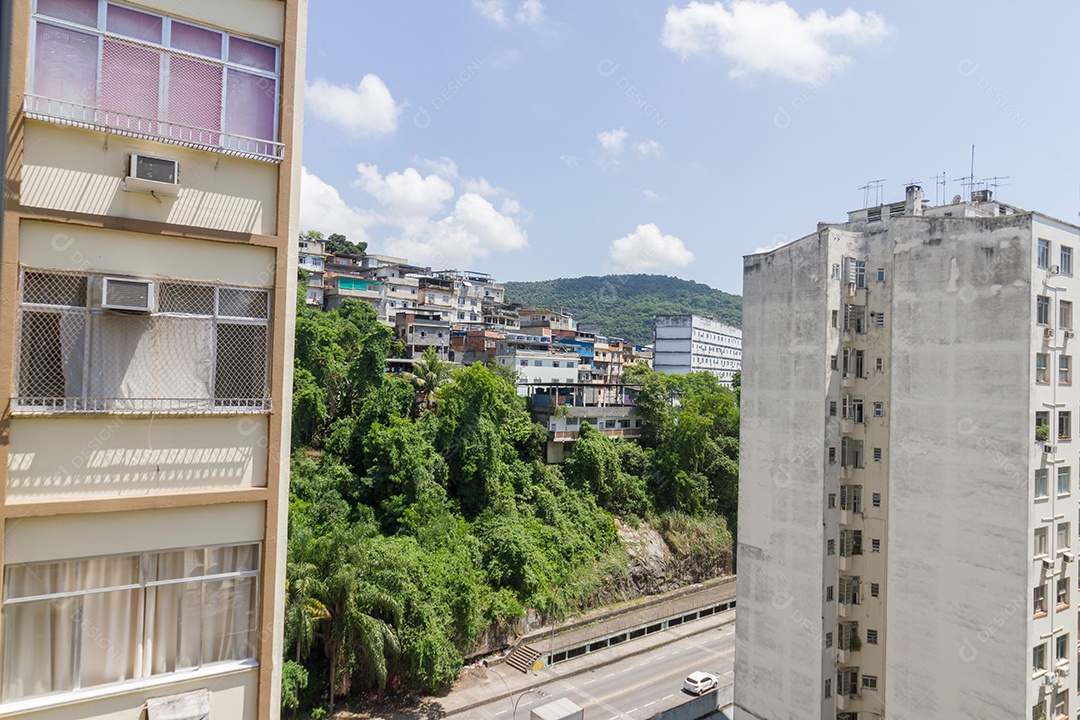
(624, 305)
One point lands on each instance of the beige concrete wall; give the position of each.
(82, 171)
(780, 655)
(257, 18)
(232, 696)
(62, 537)
(72, 247)
(959, 491)
(119, 456)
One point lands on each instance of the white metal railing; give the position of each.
(115, 406)
(72, 114)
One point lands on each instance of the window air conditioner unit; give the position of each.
(1055, 269)
(1048, 564)
(1049, 449)
(154, 175)
(127, 294)
(1048, 333)
(1070, 333)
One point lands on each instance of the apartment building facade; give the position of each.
(147, 298)
(907, 469)
(694, 343)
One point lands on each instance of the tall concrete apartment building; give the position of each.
(908, 499)
(694, 343)
(147, 298)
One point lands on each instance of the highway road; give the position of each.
(634, 687)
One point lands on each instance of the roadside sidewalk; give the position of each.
(482, 685)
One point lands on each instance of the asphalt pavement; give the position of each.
(636, 695)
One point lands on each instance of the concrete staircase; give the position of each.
(522, 658)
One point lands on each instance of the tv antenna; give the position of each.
(995, 182)
(939, 186)
(874, 186)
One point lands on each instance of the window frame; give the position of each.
(1065, 263)
(142, 584)
(27, 401)
(1038, 658)
(101, 33)
(1042, 309)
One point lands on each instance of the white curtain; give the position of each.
(135, 356)
(229, 606)
(39, 636)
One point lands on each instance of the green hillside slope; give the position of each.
(624, 305)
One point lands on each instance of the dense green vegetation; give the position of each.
(624, 305)
(421, 511)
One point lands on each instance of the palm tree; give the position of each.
(359, 627)
(304, 611)
(428, 375)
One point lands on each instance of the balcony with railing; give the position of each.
(140, 74)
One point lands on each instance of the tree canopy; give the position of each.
(421, 511)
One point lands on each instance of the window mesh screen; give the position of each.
(74, 357)
(241, 363)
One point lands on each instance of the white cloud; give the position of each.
(530, 12)
(412, 221)
(649, 147)
(443, 167)
(480, 186)
(768, 37)
(493, 10)
(368, 110)
(406, 193)
(650, 195)
(473, 230)
(321, 208)
(571, 161)
(649, 249)
(612, 141)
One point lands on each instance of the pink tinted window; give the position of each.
(83, 12)
(256, 55)
(133, 24)
(65, 65)
(249, 105)
(130, 77)
(195, 94)
(196, 39)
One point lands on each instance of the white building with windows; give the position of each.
(147, 311)
(908, 502)
(311, 258)
(694, 343)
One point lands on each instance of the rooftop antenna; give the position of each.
(939, 182)
(995, 182)
(875, 186)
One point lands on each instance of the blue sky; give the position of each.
(534, 139)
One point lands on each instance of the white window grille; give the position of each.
(104, 66)
(202, 348)
(80, 623)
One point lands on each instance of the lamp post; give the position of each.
(540, 693)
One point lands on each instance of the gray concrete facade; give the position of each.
(904, 536)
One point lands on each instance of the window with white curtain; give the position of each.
(76, 624)
(200, 348)
(151, 75)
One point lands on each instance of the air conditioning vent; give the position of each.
(126, 294)
(154, 175)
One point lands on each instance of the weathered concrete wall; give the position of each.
(959, 550)
(778, 663)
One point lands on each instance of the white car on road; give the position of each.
(698, 683)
